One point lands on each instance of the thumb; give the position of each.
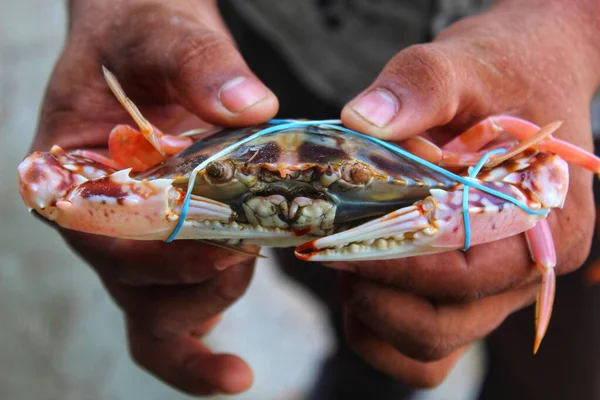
(208, 76)
(189, 56)
(417, 90)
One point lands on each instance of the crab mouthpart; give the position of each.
(405, 232)
(301, 214)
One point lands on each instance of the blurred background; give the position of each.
(62, 337)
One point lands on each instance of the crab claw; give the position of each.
(43, 180)
(429, 226)
(66, 189)
(407, 231)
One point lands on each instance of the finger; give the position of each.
(418, 89)
(490, 268)
(387, 359)
(137, 263)
(481, 271)
(423, 330)
(187, 364)
(152, 262)
(173, 311)
(204, 328)
(196, 62)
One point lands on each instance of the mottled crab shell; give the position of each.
(363, 179)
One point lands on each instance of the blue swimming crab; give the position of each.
(333, 195)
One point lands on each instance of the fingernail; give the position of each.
(240, 93)
(226, 262)
(378, 107)
(222, 265)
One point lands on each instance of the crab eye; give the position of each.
(219, 172)
(357, 174)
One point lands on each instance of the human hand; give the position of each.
(411, 318)
(177, 62)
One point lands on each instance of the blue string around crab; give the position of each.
(279, 125)
(465, 200)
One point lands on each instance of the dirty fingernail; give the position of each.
(240, 93)
(377, 107)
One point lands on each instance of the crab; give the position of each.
(332, 194)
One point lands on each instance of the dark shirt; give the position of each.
(337, 47)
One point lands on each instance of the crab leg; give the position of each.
(543, 253)
(143, 149)
(522, 129)
(490, 128)
(462, 159)
(466, 148)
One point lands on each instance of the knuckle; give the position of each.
(198, 48)
(149, 15)
(470, 293)
(132, 34)
(229, 290)
(430, 70)
(360, 300)
(230, 293)
(194, 45)
(428, 346)
(159, 324)
(460, 284)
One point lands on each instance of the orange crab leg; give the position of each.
(476, 137)
(466, 148)
(462, 159)
(130, 149)
(521, 128)
(144, 148)
(423, 148)
(489, 129)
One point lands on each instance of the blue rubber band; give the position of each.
(465, 201)
(283, 124)
(184, 211)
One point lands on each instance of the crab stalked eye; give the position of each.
(219, 172)
(357, 173)
(329, 176)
